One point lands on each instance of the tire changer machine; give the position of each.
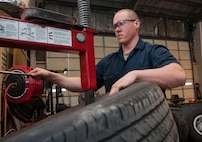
(40, 29)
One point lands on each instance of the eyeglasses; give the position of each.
(122, 22)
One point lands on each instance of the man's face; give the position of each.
(125, 28)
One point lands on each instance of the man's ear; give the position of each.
(137, 23)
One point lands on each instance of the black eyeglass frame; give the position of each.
(122, 22)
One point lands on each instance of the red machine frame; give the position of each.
(83, 47)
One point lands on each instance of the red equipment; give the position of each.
(25, 34)
(25, 88)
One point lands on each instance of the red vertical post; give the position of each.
(87, 62)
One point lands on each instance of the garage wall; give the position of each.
(59, 62)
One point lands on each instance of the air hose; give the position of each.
(25, 88)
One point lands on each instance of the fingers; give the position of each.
(113, 91)
(122, 83)
(33, 72)
(36, 74)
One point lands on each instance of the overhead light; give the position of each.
(188, 83)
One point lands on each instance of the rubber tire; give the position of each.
(181, 123)
(193, 134)
(137, 113)
(25, 111)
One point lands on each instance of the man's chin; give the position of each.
(121, 42)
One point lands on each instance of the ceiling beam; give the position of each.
(132, 4)
(188, 2)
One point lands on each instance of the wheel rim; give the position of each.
(197, 123)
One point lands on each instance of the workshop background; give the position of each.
(173, 23)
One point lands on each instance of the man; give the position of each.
(134, 62)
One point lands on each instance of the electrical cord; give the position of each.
(5, 101)
(9, 131)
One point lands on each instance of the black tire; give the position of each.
(181, 123)
(195, 126)
(137, 113)
(25, 111)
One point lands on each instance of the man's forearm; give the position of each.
(169, 76)
(70, 83)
